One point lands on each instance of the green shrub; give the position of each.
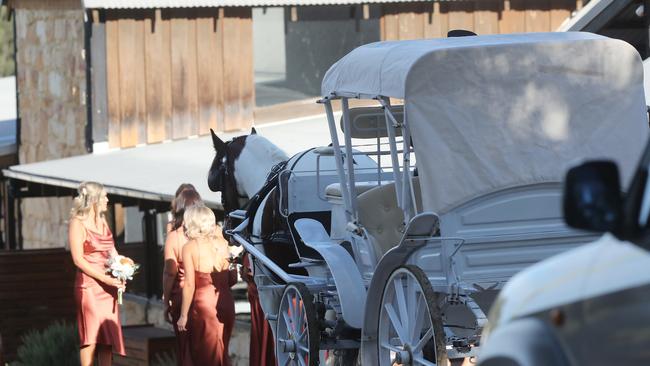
(58, 344)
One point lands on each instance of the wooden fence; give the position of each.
(36, 288)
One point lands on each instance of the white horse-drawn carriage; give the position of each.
(400, 233)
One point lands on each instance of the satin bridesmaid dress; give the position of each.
(97, 310)
(212, 317)
(176, 296)
(261, 352)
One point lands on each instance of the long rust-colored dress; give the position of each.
(262, 352)
(97, 310)
(183, 357)
(212, 317)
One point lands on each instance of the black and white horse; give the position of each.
(239, 171)
(241, 166)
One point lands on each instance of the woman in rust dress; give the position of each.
(208, 308)
(174, 273)
(91, 244)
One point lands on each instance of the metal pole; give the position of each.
(10, 216)
(390, 121)
(407, 201)
(349, 157)
(339, 158)
(151, 252)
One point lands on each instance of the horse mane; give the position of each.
(254, 163)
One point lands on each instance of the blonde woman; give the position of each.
(208, 308)
(91, 244)
(174, 272)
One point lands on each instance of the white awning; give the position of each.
(154, 172)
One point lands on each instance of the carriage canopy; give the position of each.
(493, 112)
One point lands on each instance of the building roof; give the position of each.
(153, 172)
(148, 4)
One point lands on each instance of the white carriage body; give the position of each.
(493, 123)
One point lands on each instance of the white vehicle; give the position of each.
(404, 263)
(588, 306)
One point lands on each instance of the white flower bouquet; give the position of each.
(123, 269)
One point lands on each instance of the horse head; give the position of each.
(221, 176)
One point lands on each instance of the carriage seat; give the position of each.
(333, 191)
(382, 218)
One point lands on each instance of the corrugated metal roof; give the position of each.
(149, 4)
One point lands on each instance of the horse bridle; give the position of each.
(224, 176)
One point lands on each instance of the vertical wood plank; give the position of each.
(113, 83)
(237, 69)
(461, 15)
(184, 88)
(538, 17)
(390, 22)
(158, 78)
(231, 119)
(560, 11)
(439, 22)
(512, 17)
(139, 71)
(247, 67)
(132, 82)
(99, 88)
(219, 72)
(207, 54)
(411, 21)
(486, 17)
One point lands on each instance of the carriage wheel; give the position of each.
(410, 326)
(297, 330)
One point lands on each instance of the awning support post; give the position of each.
(151, 252)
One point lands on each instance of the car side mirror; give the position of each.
(592, 197)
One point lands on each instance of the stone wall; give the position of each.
(51, 80)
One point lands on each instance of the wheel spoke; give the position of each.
(425, 338)
(401, 303)
(390, 347)
(412, 307)
(287, 321)
(418, 318)
(303, 348)
(418, 360)
(287, 362)
(292, 309)
(397, 325)
(301, 336)
(301, 361)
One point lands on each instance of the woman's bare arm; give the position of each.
(188, 287)
(171, 265)
(76, 237)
